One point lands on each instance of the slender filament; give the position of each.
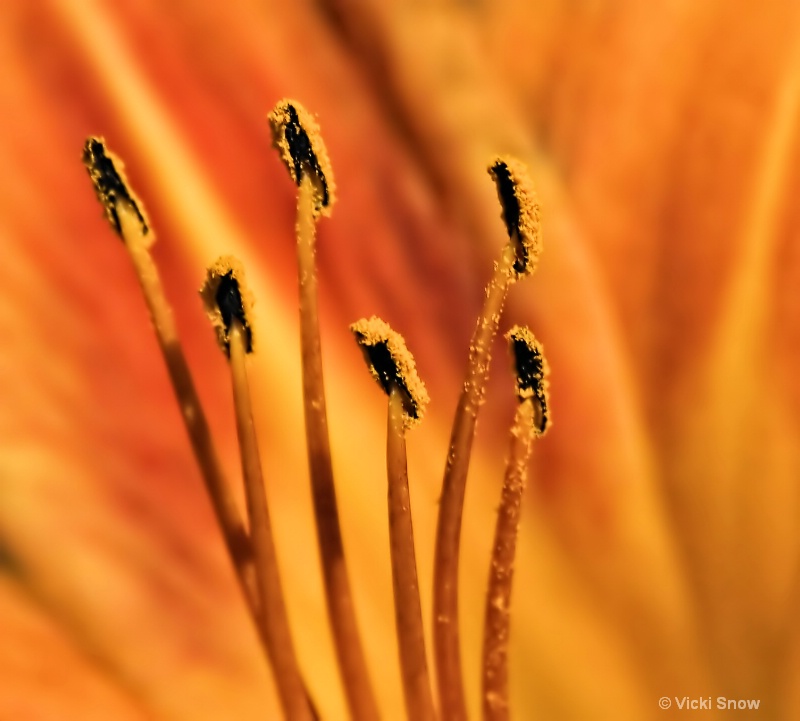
(225, 509)
(501, 572)
(408, 610)
(272, 617)
(446, 643)
(350, 654)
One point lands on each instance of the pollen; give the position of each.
(520, 211)
(226, 298)
(108, 177)
(250, 545)
(296, 136)
(531, 371)
(391, 364)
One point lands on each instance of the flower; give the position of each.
(659, 551)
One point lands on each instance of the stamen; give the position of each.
(107, 174)
(128, 220)
(530, 421)
(296, 135)
(531, 374)
(224, 293)
(517, 260)
(520, 211)
(393, 367)
(227, 299)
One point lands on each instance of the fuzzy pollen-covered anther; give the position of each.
(106, 171)
(227, 299)
(296, 136)
(392, 365)
(531, 371)
(520, 212)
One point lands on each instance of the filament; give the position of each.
(338, 595)
(497, 621)
(408, 610)
(272, 618)
(446, 641)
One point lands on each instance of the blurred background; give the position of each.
(659, 542)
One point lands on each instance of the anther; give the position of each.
(531, 374)
(391, 364)
(520, 211)
(296, 136)
(108, 177)
(227, 299)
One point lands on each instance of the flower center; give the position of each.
(251, 544)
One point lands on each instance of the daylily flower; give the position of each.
(659, 549)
